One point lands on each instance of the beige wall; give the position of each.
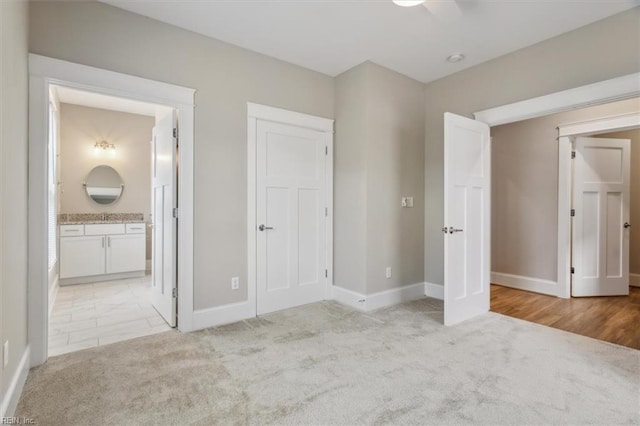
(634, 243)
(225, 78)
(524, 199)
(13, 184)
(379, 159)
(600, 51)
(80, 128)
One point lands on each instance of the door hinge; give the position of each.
(175, 132)
(573, 155)
(175, 212)
(573, 270)
(326, 212)
(175, 292)
(326, 273)
(326, 150)
(573, 212)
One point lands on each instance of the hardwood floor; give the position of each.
(613, 319)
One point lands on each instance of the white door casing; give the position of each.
(291, 215)
(601, 199)
(164, 200)
(467, 207)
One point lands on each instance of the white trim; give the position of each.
(378, 300)
(435, 291)
(634, 280)
(615, 89)
(45, 71)
(53, 294)
(278, 115)
(64, 282)
(257, 112)
(520, 282)
(600, 125)
(220, 315)
(11, 398)
(348, 297)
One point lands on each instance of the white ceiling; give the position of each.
(332, 36)
(112, 103)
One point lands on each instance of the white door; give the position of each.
(290, 213)
(467, 198)
(601, 223)
(125, 253)
(164, 200)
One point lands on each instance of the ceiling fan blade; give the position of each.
(445, 10)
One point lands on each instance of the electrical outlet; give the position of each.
(5, 353)
(406, 201)
(235, 283)
(388, 271)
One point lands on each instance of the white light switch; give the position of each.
(407, 202)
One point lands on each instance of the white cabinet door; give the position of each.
(82, 256)
(125, 253)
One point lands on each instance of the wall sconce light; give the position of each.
(104, 145)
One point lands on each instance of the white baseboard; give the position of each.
(525, 283)
(348, 297)
(378, 300)
(434, 290)
(53, 293)
(634, 280)
(100, 278)
(220, 315)
(11, 398)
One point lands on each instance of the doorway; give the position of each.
(46, 73)
(105, 268)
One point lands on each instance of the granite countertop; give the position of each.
(99, 218)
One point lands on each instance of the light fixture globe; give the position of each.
(408, 3)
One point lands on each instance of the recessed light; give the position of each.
(408, 3)
(456, 57)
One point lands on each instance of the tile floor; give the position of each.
(89, 315)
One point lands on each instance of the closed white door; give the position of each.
(125, 253)
(467, 198)
(601, 223)
(164, 200)
(291, 213)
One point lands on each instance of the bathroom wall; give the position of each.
(80, 128)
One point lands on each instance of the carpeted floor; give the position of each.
(328, 364)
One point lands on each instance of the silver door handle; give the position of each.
(452, 230)
(109, 242)
(262, 227)
(627, 225)
(102, 242)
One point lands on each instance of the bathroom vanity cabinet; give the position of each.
(102, 251)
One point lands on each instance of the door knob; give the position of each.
(262, 227)
(627, 225)
(452, 230)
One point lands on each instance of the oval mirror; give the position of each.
(104, 185)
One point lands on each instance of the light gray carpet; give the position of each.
(327, 364)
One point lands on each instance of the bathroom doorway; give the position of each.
(103, 179)
(177, 262)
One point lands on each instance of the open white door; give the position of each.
(467, 204)
(291, 213)
(164, 200)
(601, 223)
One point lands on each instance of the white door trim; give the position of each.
(44, 71)
(257, 112)
(615, 89)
